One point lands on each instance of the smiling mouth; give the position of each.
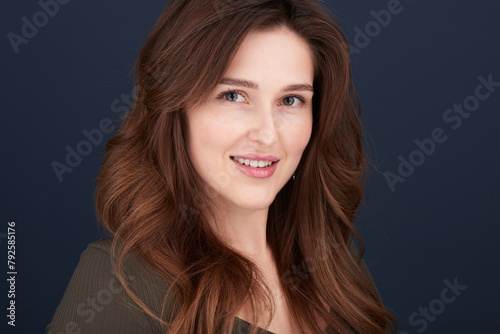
(254, 163)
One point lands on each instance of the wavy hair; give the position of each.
(150, 197)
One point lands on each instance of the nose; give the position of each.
(264, 126)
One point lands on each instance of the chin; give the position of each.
(254, 203)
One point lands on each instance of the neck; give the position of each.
(245, 231)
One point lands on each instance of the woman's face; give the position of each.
(260, 113)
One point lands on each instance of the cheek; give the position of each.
(210, 139)
(211, 143)
(298, 137)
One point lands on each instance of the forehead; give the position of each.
(278, 54)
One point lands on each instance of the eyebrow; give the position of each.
(253, 85)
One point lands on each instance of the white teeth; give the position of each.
(253, 163)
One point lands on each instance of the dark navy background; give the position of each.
(438, 228)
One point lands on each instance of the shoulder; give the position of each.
(97, 260)
(96, 302)
(103, 244)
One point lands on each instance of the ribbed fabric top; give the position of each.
(95, 301)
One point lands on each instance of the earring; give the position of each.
(293, 176)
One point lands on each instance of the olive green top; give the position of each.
(95, 301)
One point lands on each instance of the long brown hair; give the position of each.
(151, 199)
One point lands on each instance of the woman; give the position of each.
(232, 186)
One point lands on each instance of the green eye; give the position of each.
(231, 96)
(289, 101)
(293, 101)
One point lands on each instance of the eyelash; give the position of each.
(232, 91)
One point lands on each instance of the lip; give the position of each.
(260, 173)
(262, 157)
